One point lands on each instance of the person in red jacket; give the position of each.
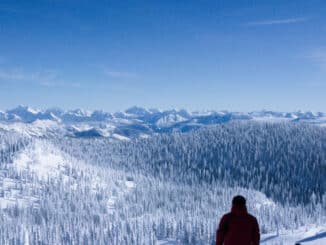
(238, 227)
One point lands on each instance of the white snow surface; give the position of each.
(37, 128)
(312, 235)
(42, 159)
(169, 120)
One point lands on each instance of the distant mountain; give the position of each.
(133, 122)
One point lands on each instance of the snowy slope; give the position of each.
(37, 161)
(43, 161)
(305, 235)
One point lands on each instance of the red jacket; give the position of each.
(238, 228)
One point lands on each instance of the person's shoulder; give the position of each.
(253, 218)
(226, 215)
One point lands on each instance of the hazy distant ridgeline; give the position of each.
(134, 122)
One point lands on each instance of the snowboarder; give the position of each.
(238, 226)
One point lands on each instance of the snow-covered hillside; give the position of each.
(171, 188)
(133, 122)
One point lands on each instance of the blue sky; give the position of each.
(110, 55)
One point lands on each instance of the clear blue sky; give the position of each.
(110, 55)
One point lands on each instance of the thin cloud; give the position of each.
(20, 75)
(47, 78)
(13, 74)
(277, 21)
(119, 74)
(51, 84)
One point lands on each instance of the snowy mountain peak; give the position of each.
(136, 110)
(135, 121)
(22, 109)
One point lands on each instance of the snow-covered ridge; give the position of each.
(42, 160)
(133, 122)
(163, 118)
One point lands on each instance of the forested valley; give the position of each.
(65, 190)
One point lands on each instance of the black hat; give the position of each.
(239, 200)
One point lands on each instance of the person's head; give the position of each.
(239, 201)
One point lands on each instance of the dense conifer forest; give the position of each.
(103, 191)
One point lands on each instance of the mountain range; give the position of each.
(133, 122)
